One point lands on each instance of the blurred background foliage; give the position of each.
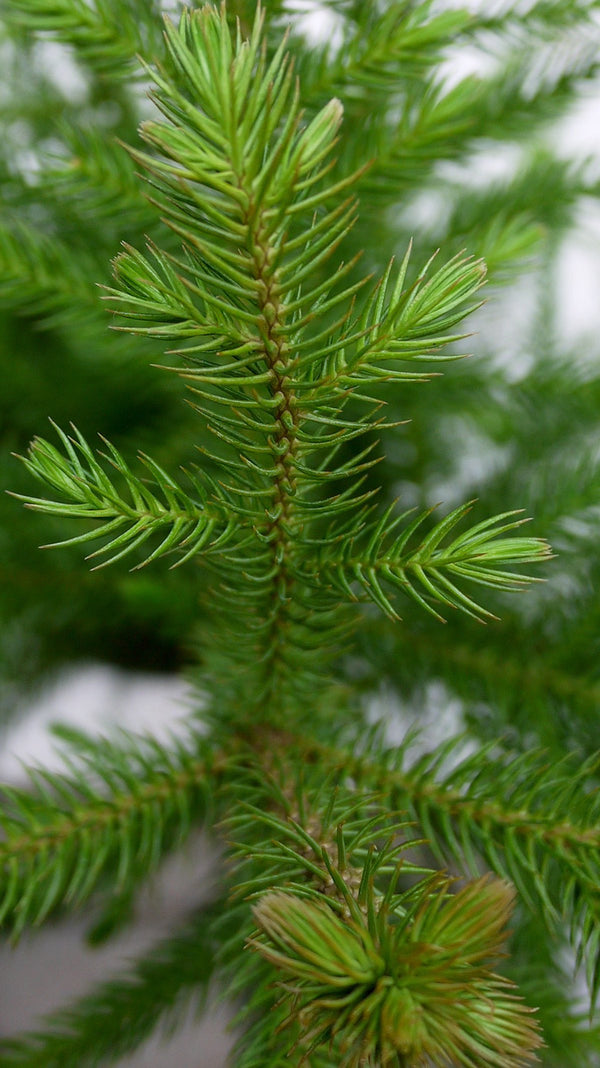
(478, 120)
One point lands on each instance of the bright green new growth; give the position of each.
(420, 990)
(280, 352)
(289, 355)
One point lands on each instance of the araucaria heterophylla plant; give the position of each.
(343, 951)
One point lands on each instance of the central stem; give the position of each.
(283, 445)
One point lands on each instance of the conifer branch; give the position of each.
(478, 555)
(399, 324)
(545, 981)
(387, 50)
(289, 356)
(541, 196)
(521, 675)
(439, 123)
(247, 190)
(358, 985)
(544, 15)
(90, 493)
(339, 872)
(97, 180)
(116, 813)
(37, 273)
(106, 34)
(256, 226)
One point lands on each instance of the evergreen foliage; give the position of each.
(316, 437)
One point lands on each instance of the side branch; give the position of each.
(108, 36)
(432, 567)
(67, 834)
(88, 493)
